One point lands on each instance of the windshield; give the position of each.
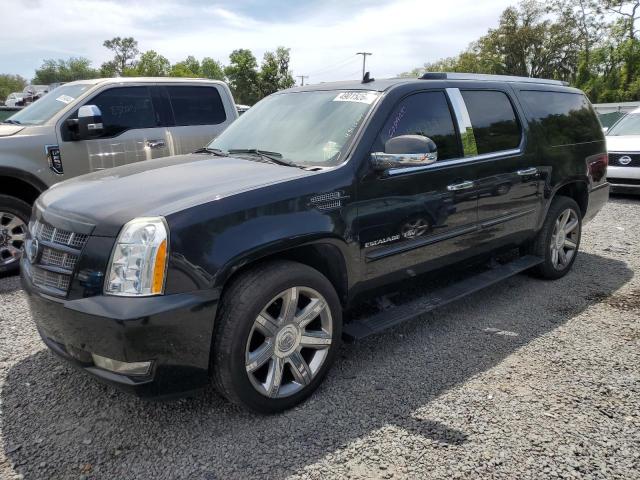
(306, 128)
(43, 109)
(629, 125)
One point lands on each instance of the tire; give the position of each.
(14, 221)
(248, 352)
(553, 268)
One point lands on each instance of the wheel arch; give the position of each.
(19, 184)
(577, 189)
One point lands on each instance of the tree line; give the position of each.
(248, 81)
(592, 44)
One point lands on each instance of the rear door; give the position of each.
(510, 180)
(133, 132)
(199, 115)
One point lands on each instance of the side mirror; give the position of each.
(89, 122)
(605, 130)
(405, 151)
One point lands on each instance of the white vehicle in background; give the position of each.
(15, 99)
(623, 144)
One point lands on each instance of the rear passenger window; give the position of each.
(196, 105)
(494, 122)
(565, 118)
(427, 114)
(125, 108)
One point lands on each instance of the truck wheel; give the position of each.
(558, 241)
(278, 331)
(14, 218)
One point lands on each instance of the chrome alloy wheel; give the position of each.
(564, 239)
(12, 236)
(289, 342)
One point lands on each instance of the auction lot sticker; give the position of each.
(356, 96)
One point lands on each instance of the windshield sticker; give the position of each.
(359, 97)
(66, 99)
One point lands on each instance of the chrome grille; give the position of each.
(56, 258)
(44, 278)
(60, 249)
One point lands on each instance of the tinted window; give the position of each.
(426, 114)
(565, 118)
(196, 105)
(124, 109)
(494, 122)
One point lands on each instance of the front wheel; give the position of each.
(278, 332)
(559, 239)
(14, 217)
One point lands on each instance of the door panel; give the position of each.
(409, 217)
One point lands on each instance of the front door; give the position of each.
(412, 217)
(132, 133)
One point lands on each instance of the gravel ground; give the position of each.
(529, 380)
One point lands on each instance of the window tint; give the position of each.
(564, 118)
(196, 105)
(427, 114)
(494, 122)
(124, 109)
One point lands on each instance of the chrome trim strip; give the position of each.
(459, 161)
(470, 149)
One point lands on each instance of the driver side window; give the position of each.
(125, 108)
(426, 114)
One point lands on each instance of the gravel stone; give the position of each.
(529, 379)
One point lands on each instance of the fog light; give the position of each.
(125, 368)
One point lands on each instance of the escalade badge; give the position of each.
(626, 160)
(32, 250)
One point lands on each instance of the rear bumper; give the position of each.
(598, 197)
(174, 332)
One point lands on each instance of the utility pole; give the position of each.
(364, 60)
(302, 77)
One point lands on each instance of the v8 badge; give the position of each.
(54, 158)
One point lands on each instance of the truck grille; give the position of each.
(614, 159)
(52, 267)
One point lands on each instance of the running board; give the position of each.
(391, 317)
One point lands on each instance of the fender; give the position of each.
(26, 177)
(554, 191)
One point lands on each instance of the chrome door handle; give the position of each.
(156, 143)
(528, 171)
(461, 186)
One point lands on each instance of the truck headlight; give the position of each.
(139, 259)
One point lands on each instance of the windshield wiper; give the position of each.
(273, 157)
(216, 151)
(12, 122)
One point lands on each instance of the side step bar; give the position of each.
(391, 317)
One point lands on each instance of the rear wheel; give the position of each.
(559, 239)
(278, 332)
(14, 218)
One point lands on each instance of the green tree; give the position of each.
(210, 68)
(125, 51)
(151, 64)
(189, 67)
(242, 74)
(74, 68)
(274, 73)
(10, 84)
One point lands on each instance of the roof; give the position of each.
(380, 85)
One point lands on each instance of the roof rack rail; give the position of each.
(485, 77)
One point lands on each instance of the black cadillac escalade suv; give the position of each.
(239, 261)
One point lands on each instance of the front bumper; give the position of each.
(624, 179)
(172, 331)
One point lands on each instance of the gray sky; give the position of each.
(323, 35)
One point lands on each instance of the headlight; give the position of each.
(139, 260)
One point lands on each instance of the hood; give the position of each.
(110, 198)
(623, 143)
(7, 130)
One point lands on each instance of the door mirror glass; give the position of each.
(89, 122)
(405, 151)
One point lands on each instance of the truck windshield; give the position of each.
(46, 107)
(304, 128)
(629, 125)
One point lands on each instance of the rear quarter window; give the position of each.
(194, 105)
(564, 118)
